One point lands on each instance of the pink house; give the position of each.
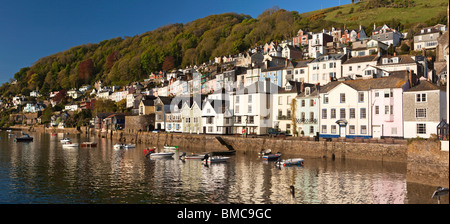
(387, 105)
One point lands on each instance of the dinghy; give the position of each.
(214, 159)
(88, 144)
(291, 162)
(65, 140)
(69, 145)
(272, 156)
(171, 148)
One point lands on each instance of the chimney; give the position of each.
(410, 79)
(374, 26)
(301, 87)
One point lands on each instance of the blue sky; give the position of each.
(32, 29)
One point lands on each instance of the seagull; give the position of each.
(440, 191)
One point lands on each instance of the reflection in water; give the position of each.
(44, 172)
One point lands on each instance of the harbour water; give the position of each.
(42, 172)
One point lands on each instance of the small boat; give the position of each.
(65, 140)
(272, 156)
(214, 159)
(118, 146)
(53, 134)
(69, 144)
(265, 152)
(192, 156)
(24, 138)
(129, 146)
(174, 148)
(291, 162)
(88, 144)
(161, 154)
(223, 153)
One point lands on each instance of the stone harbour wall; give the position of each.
(427, 163)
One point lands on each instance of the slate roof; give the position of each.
(426, 86)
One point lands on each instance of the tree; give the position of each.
(86, 70)
(168, 64)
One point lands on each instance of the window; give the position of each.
(377, 109)
(280, 100)
(311, 115)
(249, 109)
(421, 112)
(352, 113)
(288, 100)
(324, 114)
(421, 128)
(333, 129)
(237, 99)
(377, 94)
(363, 113)
(249, 98)
(342, 97)
(251, 119)
(393, 131)
(303, 103)
(311, 103)
(237, 109)
(421, 97)
(392, 109)
(351, 129)
(342, 113)
(324, 129)
(325, 99)
(333, 113)
(361, 97)
(350, 68)
(363, 129)
(311, 129)
(386, 93)
(386, 109)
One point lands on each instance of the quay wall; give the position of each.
(394, 152)
(427, 163)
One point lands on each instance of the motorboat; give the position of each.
(129, 146)
(152, 153)
(88, 144)
(65, 140)
(265, 152)
(118, 146)
(24, 138)
(291, 162)
(192, 156)
(272, 156)
(214, 159)
(70, 144)
(172, 148)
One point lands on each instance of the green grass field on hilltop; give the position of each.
(353, 15)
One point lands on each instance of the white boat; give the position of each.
(162, 154)
(65, 140)
(290, 162)
(128, 146)
(171, 148)
(192, 156)
(118, 146)
(70, 144)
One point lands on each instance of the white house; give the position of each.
(357, 67)
(253, 107)
(283, 112)
(344, 110)
(325, 68)
(307, 110)
(318, 43)
(217, 117)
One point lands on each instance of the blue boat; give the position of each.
(272, 156)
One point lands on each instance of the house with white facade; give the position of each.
(326, 68)
(318, 43)
(427, 38)
(358, 67)
(217, 117)
(174, 119)
(191, 114)
(307, 110)
(386, 35)
(344, 111)
(283, 109)
(367, 47)
(253, 107)
(424, 106)
(388, 63)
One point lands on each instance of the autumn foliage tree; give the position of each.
(86, 70)
(168, 64)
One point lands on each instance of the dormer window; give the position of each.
(288, 87)
(307, 91)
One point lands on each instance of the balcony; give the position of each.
(306, 121)
(284, 117)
